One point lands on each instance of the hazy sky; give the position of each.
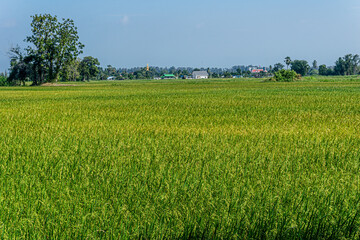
(198, 33)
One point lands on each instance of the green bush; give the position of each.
(285, 76)
(3, 81)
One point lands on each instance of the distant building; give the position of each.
(259, 70)
(168, 76)
(111, 78)
(200, 75)
(252, 67)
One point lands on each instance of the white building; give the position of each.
(200, 74)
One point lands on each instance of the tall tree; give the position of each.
(55, 45)
(347, 65)
(71, 71)
(323, 70)
(340, 67)
(20, 69)
(110, 71)
(354, 64)
(278, 67)
(89, 68)
(348, 62)
(287, 62)
(300, 66)
(314, 65)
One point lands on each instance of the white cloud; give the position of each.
(125, 20)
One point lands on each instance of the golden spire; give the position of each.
(147, 67)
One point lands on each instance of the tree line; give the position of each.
(54, 49)
(53, 45)
(347, 65)
(52, 54)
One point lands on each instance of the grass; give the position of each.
(181, 159)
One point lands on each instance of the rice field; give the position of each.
(181, 159)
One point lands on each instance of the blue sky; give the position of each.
(198, 33)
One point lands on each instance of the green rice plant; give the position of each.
(181, 159)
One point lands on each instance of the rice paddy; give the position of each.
(181, 159)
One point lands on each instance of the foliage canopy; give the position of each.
(300, 66)
(54, 45)
(285, 76)
(89, 67)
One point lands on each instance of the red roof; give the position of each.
(258, 70)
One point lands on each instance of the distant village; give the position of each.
(111, 73)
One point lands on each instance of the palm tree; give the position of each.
(288, 61)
